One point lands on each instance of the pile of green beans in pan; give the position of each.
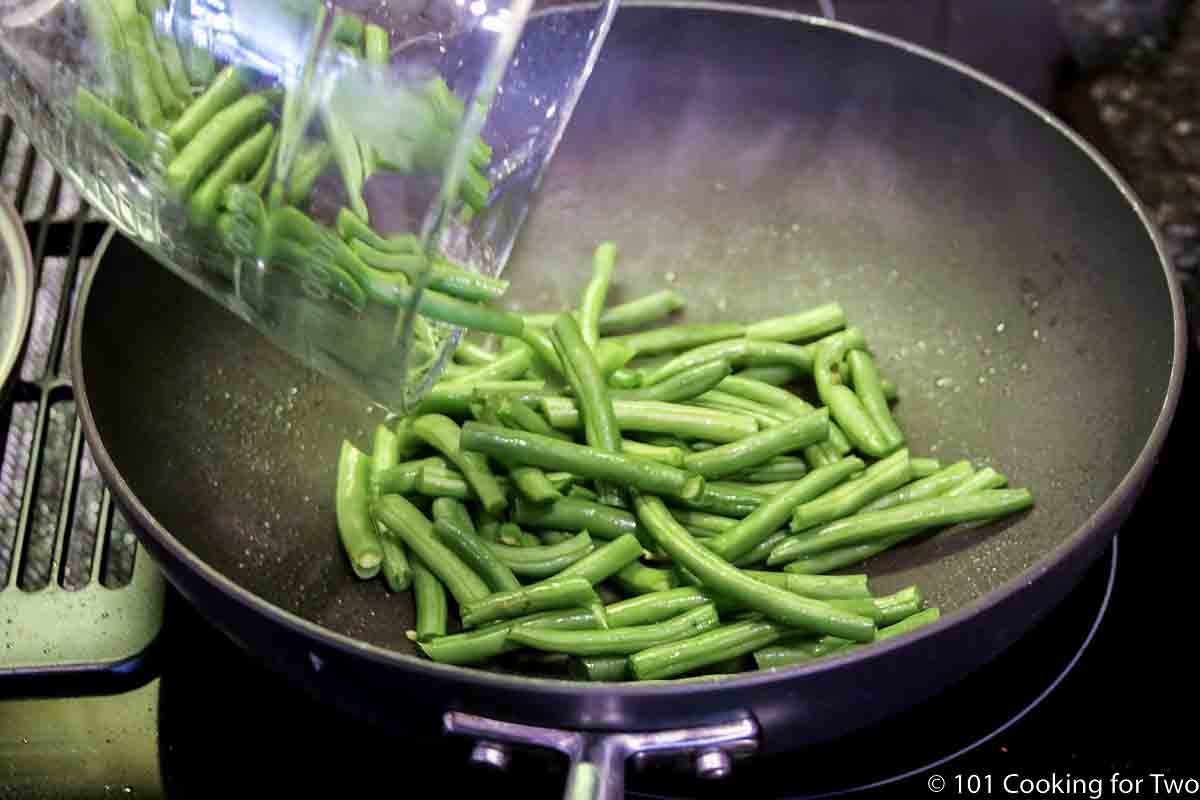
(217, 137)
(613, 495)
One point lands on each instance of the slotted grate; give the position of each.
(76, 595)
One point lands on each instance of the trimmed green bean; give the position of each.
(684, 386)
(772, 513)
(516, 414)
(356, 530)
(753, 450)
(612, 357)
(986, 478)
(579, 367)
(396, 569)
(924, 467)
(307, 166)
(543, 561)
(473, 354)
(638, 579)
(725, 579)
(811, 324)
(747, 352)
(454, 399)
(605, 561)
(624, 379)
(168, 51)
(807, 649)
(700, 520)
(933, 485)
(606, 670)
(347, 29)
(642, 311)
(481, 644)
(145, 100)
(443, 276)
(406, 522)
(376, 46)
(840, 557)
(651, 416)
(222, 132)
(604, 260)
(444, 435)
(711, 647)
(475, 552)
(866, 385)
(647, 609)
(617, 641)
(886, 610)
(780, 468)
(818, 587)
(241, 163)
(505, 368)
(170, 102)
(429, 598)
(548, 453)
(724, 498)
(123, 133)
(348, 156)
(680, 337)
(758, 554)
(351, 227)
(672, 456)
(844, 405)
(773, 374)
(558, 593)
(880, 478)
(402, 478)
(573, 514)
(912, 517)
(771, 416)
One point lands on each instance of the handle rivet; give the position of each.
(491, 754)
(713, 764)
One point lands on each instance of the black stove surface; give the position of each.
(1091, 693)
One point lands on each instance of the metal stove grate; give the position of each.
(76, 598)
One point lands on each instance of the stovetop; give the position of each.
(1085, 696)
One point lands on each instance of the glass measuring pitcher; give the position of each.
(349, 180)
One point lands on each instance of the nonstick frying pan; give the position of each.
(760, 162)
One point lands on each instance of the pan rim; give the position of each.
(1097, 524)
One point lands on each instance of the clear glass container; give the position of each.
(349, 180)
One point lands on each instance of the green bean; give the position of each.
(560, 592)
(439, 306)
(357, 532)
(475, 188)
(818, 587)
(242, 161)
(444, 435)
(351, 227)
(815, 322)
(227, 127)
(912, 517)
(644, 310)
(516, 414)
(617, 641)
(146, 103)
(596, 293)
(473, 354)
(578, 492)
(886, 610)
(258, 181)
(548, 453)
(474, 552)
(651, 416)
(607, 670)
(840, 557)
(554, 537)
(454, 399)
(711, 524)
(605, 561)
(612, 357)
(880, 478)
(715, 573)
(429, 598)
(624, 379)
(754, 450)
(347, 29)
(572, 514)
(543, 561)
(773, 374)
(672, 456)
(507, 367)
(772, 513)
(172, 62)
(406, 522)
(397, 572)
(376, 45)
(511, 534)
(684, 386)
(986, 478)
(807, 649)
(123, 133)
(540, 343)
(933, 485)
(307, 166)
(711, 647)
(680, 337)
(583, 376)
(348, 156)
(724, 498)
(780, 468)
(638, 579)
(844, 405)
(767, 415)
(924, 467)
(750, 352)
(765, 394)
(758, 554)
(223, 92)
(481, 644)
(870, 393)
(443, 276)
(168, 100)
(104, 28)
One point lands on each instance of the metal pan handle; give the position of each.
(597, 760)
